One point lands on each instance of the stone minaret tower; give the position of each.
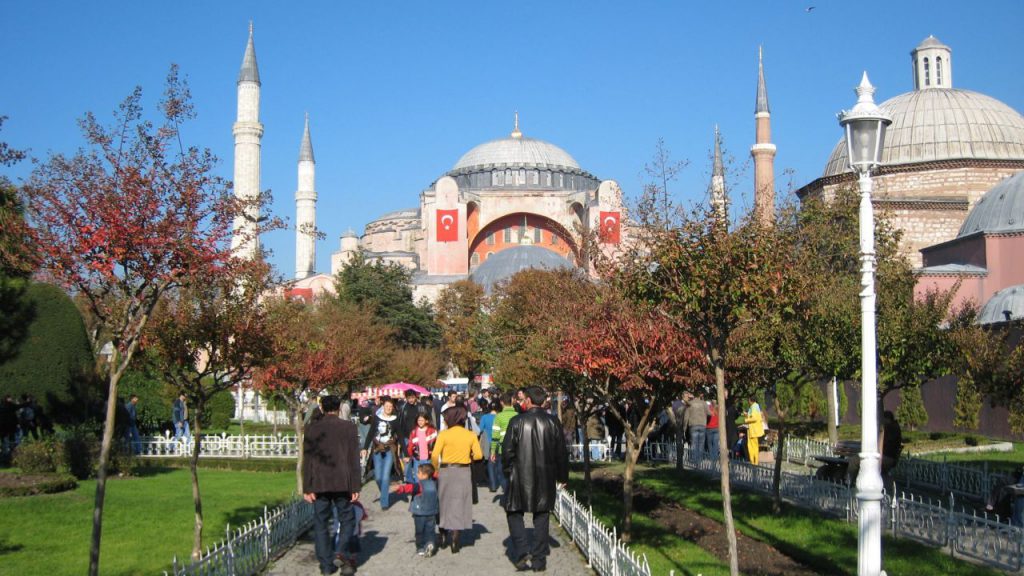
(763, 152)
(718, 200)
(933, 65)
(248, 131)
(305, 210)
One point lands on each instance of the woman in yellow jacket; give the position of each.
(455, 449)
(754, 419)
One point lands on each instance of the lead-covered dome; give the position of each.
(508, 262)
(944, 124)
(1004, 306)
(516, 151)
(1001, 209)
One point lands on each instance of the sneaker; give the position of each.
(421, 552)
(348, 566)
(523, 564)
(430, 550)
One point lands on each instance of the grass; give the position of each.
(146, 521)
(827, 546)
(996, 461)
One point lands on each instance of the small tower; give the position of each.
(248, 132)
(763, 152)
(933, 64)
(305, 210)
(718, 200)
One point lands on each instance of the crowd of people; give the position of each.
(441, 451)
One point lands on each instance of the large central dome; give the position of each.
(944, 124)
(516, 151)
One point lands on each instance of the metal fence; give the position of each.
(605, 553)
(248, 550)
(221, 446)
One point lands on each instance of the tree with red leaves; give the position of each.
(123, 222)
(329, 345)
(205, 339)
(634, 355)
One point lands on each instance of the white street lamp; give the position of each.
(865, 132)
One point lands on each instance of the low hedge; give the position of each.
(47, 484)
(239, 465)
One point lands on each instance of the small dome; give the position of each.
(1003, 306)
(508, 262)
(516, 151)
(931, 42)
(1001, 209)
(944, 124)
(406, 214)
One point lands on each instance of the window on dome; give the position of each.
(508, 235)
(554, 239)
(927, 73)
(536, 235)
(495, 178)
(547, 178)
(533, 177)
(559, 180)
(522, 176)
(490, 239)
(474, 259)
(938, 70)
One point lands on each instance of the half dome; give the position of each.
(944, 124)
(1004, 306)
(1001, 209)
(508, 262)
(516, 151)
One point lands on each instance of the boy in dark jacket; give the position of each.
(425, 507)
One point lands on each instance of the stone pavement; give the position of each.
(389, 548)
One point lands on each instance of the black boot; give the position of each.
(455, 541)
(442, 539)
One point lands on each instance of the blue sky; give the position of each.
(398, 91)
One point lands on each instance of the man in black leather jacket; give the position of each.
(534, 458)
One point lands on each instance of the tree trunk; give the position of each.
(833, 412)
(193, 465)
(677, 425)
(241, 411)
(723, 459)
(780, 455)
(101, 473)
(632, 454)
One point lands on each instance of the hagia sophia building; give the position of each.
(952, 180)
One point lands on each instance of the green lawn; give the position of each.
(826, 545)
(146, 521)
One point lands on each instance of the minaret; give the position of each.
(718, 200)
(763, 152)
(248, 131)
(305, 210)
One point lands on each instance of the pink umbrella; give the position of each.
(400, 388)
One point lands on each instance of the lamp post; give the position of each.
(865, 131)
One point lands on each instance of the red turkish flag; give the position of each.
(447, 225)
(609, 227)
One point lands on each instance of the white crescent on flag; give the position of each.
(609, 220)
(447, 221)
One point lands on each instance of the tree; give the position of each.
(123, 222)
(17, 260)
(414, 365)
(205, 339)
(384, 288)
(329, 345)
(462, 321)
(634, 355)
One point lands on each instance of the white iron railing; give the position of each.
(605, 553)
(247, 550)
(221, 446)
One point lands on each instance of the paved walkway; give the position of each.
(389, 548)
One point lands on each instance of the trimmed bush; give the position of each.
(249, 465)
(43, 456)
(49, 484)
(54, 363)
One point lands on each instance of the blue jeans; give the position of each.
(382, 464)
(696, 441)
(326, 505)
(182, 430)
(499, 473)
(426, 530)
(493, 474)
(711, 436)
(134, 440)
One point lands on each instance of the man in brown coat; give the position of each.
(330, 481)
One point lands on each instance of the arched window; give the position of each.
(496, 178)
(554, 238)
(474, 259)
(490, 239)
(938, 70)
(927, 74)
(508, 235)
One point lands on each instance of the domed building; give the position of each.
(983, 262)
(945, 148)
(506, 205)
